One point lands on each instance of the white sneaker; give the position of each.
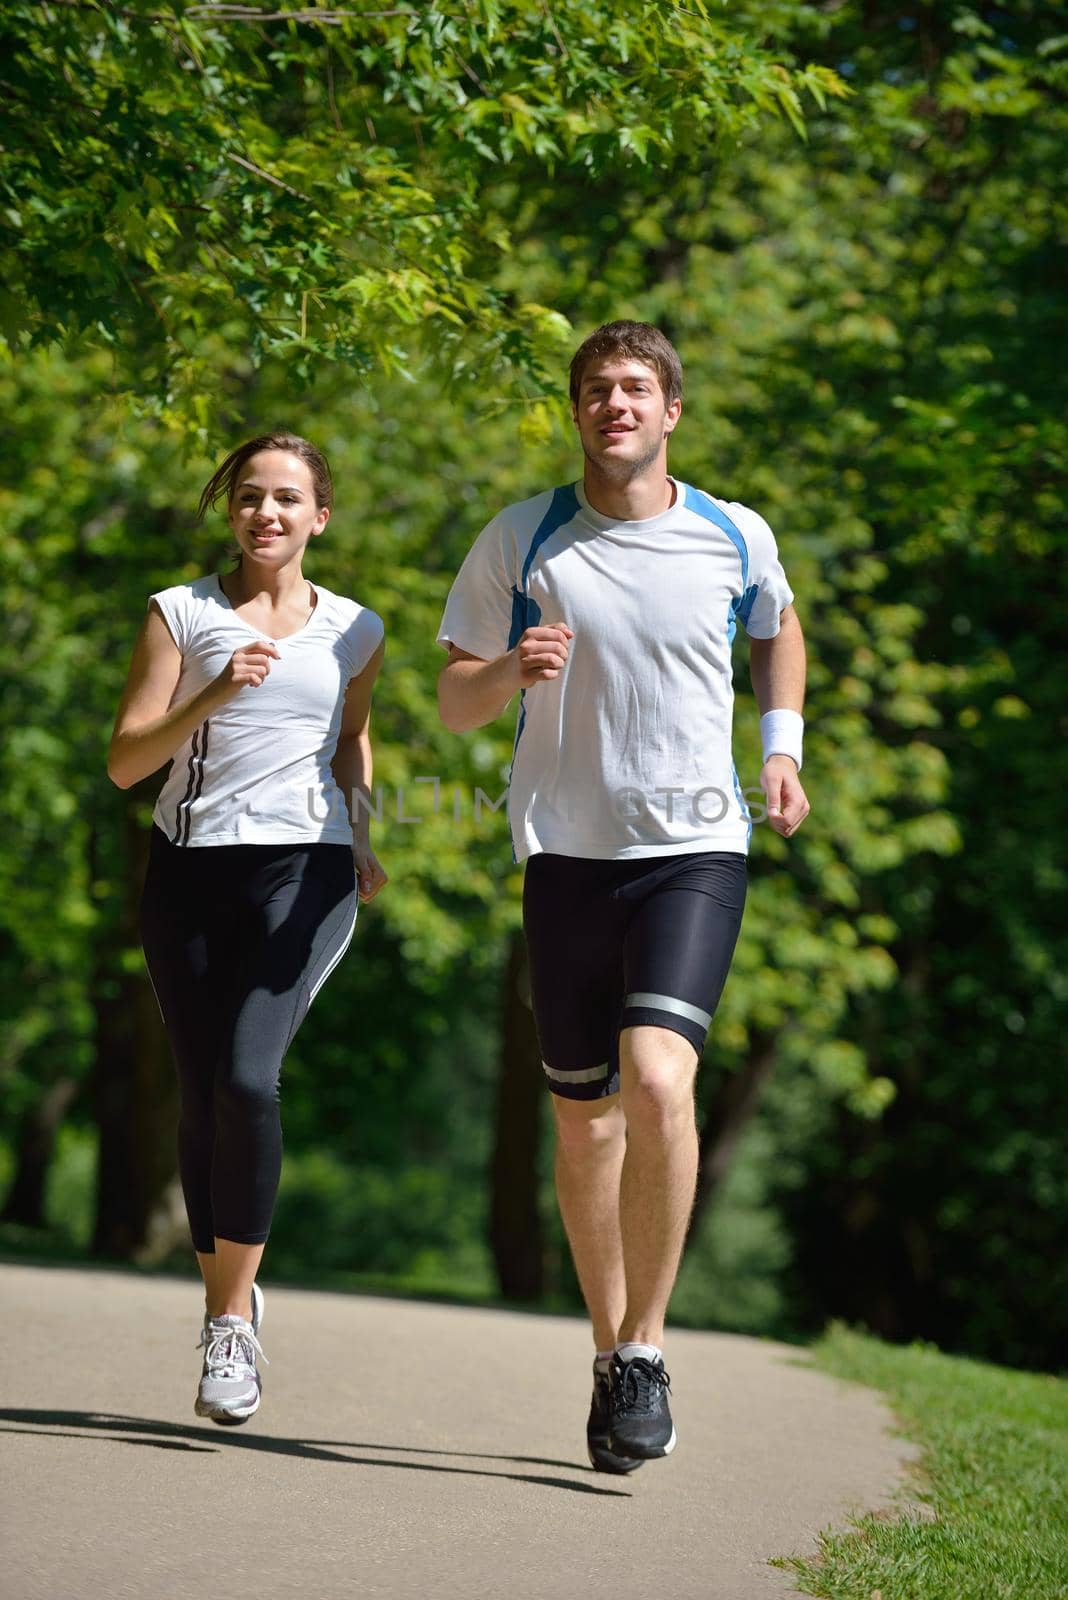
(230, 1385)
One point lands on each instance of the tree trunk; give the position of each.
(167, 1229)
(36, 1141)
(515, 1232)
(733, 1104)
(135, 1092)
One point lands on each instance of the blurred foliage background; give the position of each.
(388, 230)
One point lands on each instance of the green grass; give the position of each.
(994, 1473)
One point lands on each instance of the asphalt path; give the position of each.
(402, 1450)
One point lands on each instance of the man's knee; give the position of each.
(657, 1070)
(588, 1128)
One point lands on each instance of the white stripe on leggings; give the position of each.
(337, 958)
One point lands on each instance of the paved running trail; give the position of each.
(402, 1450)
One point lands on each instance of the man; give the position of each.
(611, 605)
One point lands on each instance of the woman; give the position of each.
(256, 687)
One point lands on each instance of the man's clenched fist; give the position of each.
(542, 652)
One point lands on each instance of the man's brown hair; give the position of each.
(630, 341)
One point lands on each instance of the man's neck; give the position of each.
(644, 496)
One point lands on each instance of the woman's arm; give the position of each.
(352, 769)
(148, 729)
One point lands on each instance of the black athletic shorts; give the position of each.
(613, 944)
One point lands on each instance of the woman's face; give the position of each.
(273, 510)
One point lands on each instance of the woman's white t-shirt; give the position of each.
(628, 752)
(257, 771)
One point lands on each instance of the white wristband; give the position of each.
(781, 733)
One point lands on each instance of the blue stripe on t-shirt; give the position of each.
(706, 507)
(526, 613)
(563, 506)
(746, 813)
(741, 607)
(746, 604)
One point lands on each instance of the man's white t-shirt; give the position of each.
(628, 752)
(257, 771)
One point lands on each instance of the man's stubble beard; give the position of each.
(619, 472)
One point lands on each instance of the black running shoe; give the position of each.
(639, 1420)
(602, 1457)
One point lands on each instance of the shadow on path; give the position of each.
(176, 1436)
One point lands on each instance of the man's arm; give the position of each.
(777, 670)
(472, 692)
(777, 666)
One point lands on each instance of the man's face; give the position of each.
(621, 417)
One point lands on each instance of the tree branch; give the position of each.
(329, 19)
(268, 177)
(235, 13)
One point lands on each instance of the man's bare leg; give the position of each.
(590, 1146)
(659, 1174)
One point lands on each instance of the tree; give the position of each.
(943, 1220)
(865, 321)
(873, 314)
(308, 186)
(224, 199)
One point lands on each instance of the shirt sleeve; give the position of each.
(478, 611)
(767, 592)
(363, 637)
(175, 611)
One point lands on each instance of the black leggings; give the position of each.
(238, 939)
